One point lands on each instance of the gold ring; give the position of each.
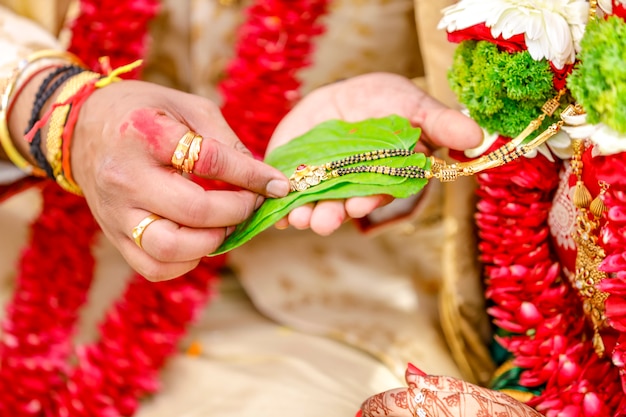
(187, 152)
(142, 226)
(182, 149)
(193, 154)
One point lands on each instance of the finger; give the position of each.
(445, 127)
(282, 224)
(166, 241)
(400, 402)
(357, 207)
(300, 217)
(412, 372)
(223, 156)
(223, 162)
(187, 203)
(328, 216)
(150, 268)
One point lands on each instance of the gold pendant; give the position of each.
(589, 255)
(588, 258)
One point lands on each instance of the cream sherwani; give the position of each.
(332, 320)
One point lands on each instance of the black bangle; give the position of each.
(45, 91)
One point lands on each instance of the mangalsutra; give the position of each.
(307, 176)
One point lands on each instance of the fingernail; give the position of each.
(281, 226)
(230, 230)
(359, 413)
(277, 188)
(415, 370)
(259, 201)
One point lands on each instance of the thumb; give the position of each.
(446, 127)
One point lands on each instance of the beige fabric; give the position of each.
(49, 14)
(372, 35)
(18, 38)
(359, 306)
(248, 366)
(377, 293)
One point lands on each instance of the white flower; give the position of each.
(606, 6)
(607, 141)
(552, 29)
(559, 145)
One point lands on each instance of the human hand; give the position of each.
(435, 396)
(121, 158)
(359, 98)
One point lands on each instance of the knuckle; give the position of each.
(166, 249)
(110, 175)
(208, 107)
(211, 163)
(196, 211)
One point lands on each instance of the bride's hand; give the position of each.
(433, 396)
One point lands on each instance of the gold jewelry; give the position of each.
(193, 154)
(306, 176)
(418, 402)
(138, 230)
(589, 254)
(593, 9)
(54, 139)
(7, 86)
(187, 152)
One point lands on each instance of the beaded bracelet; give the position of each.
(45, 91)
(62, 117)
(8, 86)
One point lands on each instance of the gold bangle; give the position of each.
(54, 139)
(7, 89)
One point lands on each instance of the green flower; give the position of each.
(599, 80)
(502, 91)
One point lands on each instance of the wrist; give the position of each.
(14, 103)
(20, 111)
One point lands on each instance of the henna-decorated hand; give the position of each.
(442, 396)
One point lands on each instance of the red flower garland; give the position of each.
(613, 240)
(261, 84)
(144, 327)
(550, 338)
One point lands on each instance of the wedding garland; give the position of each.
(261, 83)
(540, 316)
(143, 328)
(547, 334)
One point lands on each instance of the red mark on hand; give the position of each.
(146, 123)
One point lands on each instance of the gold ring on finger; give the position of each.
(182, 150)
(187, 152)
(193, 154)
(142, 226)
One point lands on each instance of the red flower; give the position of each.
(481, 32)
(619, 10)
(144, 327)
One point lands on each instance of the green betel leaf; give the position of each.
(330, 141)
